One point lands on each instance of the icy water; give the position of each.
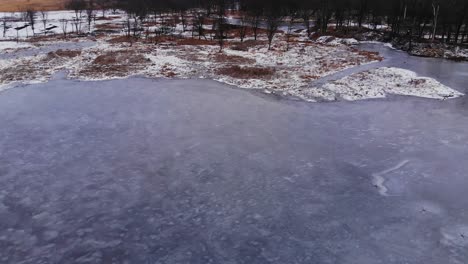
(193, 171)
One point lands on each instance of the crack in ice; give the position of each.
(378, 178)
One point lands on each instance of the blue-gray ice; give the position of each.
(193, 171)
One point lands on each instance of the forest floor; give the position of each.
(288, 68)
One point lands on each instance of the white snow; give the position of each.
(379, 82)
(389, 45)
(11, 45)
(336, 41)
(53, 19)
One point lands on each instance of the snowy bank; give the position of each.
(379, 82)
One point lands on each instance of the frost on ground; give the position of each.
(379, 82)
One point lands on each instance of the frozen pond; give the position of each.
(193, 171)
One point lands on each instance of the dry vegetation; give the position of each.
(232, 59)
(66, 53)
(196, 42)
(246, 45)
(115, 63)
(369, 54)
(246, 72)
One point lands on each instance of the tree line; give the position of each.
(414, 20)
(444, 20)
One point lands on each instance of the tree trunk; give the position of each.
(436, 16)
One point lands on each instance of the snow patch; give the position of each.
(12, 45)
(377, 83)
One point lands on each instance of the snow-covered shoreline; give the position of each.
(291, 75)
(380, 82)
(288, 69)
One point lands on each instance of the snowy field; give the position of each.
(52, 23)
(288, 69)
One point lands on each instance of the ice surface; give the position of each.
(192, 171)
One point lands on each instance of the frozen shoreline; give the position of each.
(288, 69)
(376, 83)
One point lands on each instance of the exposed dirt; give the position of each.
(246, 45)
(232, 59)
(369, 54)
(108, 26)
(115, 63)
(196, 42)
(68, 53)
(246, 72)
(124, 57)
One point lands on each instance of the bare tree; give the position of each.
(306, 15)
(103, 6)
(220, 23)
(242, 28)
(183, 20)
(289, 32)
(198, 24)
(128, 28)
(5, 25)
(90, 13)
(450, 17)
(64, 26)
(44, 18)
(78, 6)
(435, 12)
(273, 20)
(31, 17)
(255, 22)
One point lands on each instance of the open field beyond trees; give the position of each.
(21, 5)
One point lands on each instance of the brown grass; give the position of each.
(167, 72)
(107, 18)
(21, 5)
(310, 77)
(108, 26)
(123, 57)
(224, 58)
(115, 63)
(246, 45)
(60, 54)
(417, 82)
(368, 54)
(246, 72)
(45, 38)
(196, 42)
(68, 53)
(121, 39)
